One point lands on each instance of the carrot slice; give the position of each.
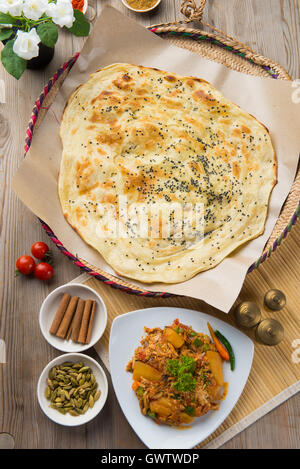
(219, 346)
(135, 385)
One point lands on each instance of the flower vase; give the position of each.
(43, 59)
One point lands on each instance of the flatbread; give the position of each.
(154, 143)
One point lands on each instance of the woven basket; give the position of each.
(216, 46)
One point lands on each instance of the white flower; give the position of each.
(3, 6)
(61, 12)
(26, 45)
(13, 7)
(34, 9)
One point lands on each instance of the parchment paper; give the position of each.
(116, 38)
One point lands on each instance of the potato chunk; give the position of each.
(163, 406)
(185, 418)
(174, 338)
(216, 366)
(143, 370)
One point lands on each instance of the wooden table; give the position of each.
(272, 28)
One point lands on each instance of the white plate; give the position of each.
(67, 419)
(49, 308)
(125, 336)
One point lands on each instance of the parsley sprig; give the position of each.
(183, 370)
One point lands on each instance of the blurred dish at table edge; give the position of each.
(141, 6)
(80, 5)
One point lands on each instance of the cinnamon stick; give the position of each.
(60, 313)
(90, 328)
(77, 320)
(69, 332)
(85, 321)
(66, 321)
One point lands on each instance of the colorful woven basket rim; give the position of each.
(29, 135)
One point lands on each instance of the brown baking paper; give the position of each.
(116, 38)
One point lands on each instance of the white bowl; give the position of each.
(50, 306)
(131, 326)
(141, 11)
(67, 419)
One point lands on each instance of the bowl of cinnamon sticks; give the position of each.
(73, 317)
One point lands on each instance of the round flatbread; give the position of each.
(161, 174)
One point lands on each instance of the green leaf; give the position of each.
(81, 26)
(151, 414)
(14, 64)
(5, 33)
(190, 411)
(188, 365)
(48, 33)
(198, 342)
(205, 347)
(185, 383)
(172, 367)
(140, 391)
(5, 18)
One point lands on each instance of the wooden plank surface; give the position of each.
(270, 27)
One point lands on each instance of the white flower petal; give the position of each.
(14, 7)
(3, 6)
(26, 45)
(34, 9)
(51, 8)
(62, 13)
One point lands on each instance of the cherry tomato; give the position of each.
(39, 250)
(43, 271)
(25, 265)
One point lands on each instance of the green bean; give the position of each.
(227, 345)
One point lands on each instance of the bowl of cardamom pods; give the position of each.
(72, 389)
